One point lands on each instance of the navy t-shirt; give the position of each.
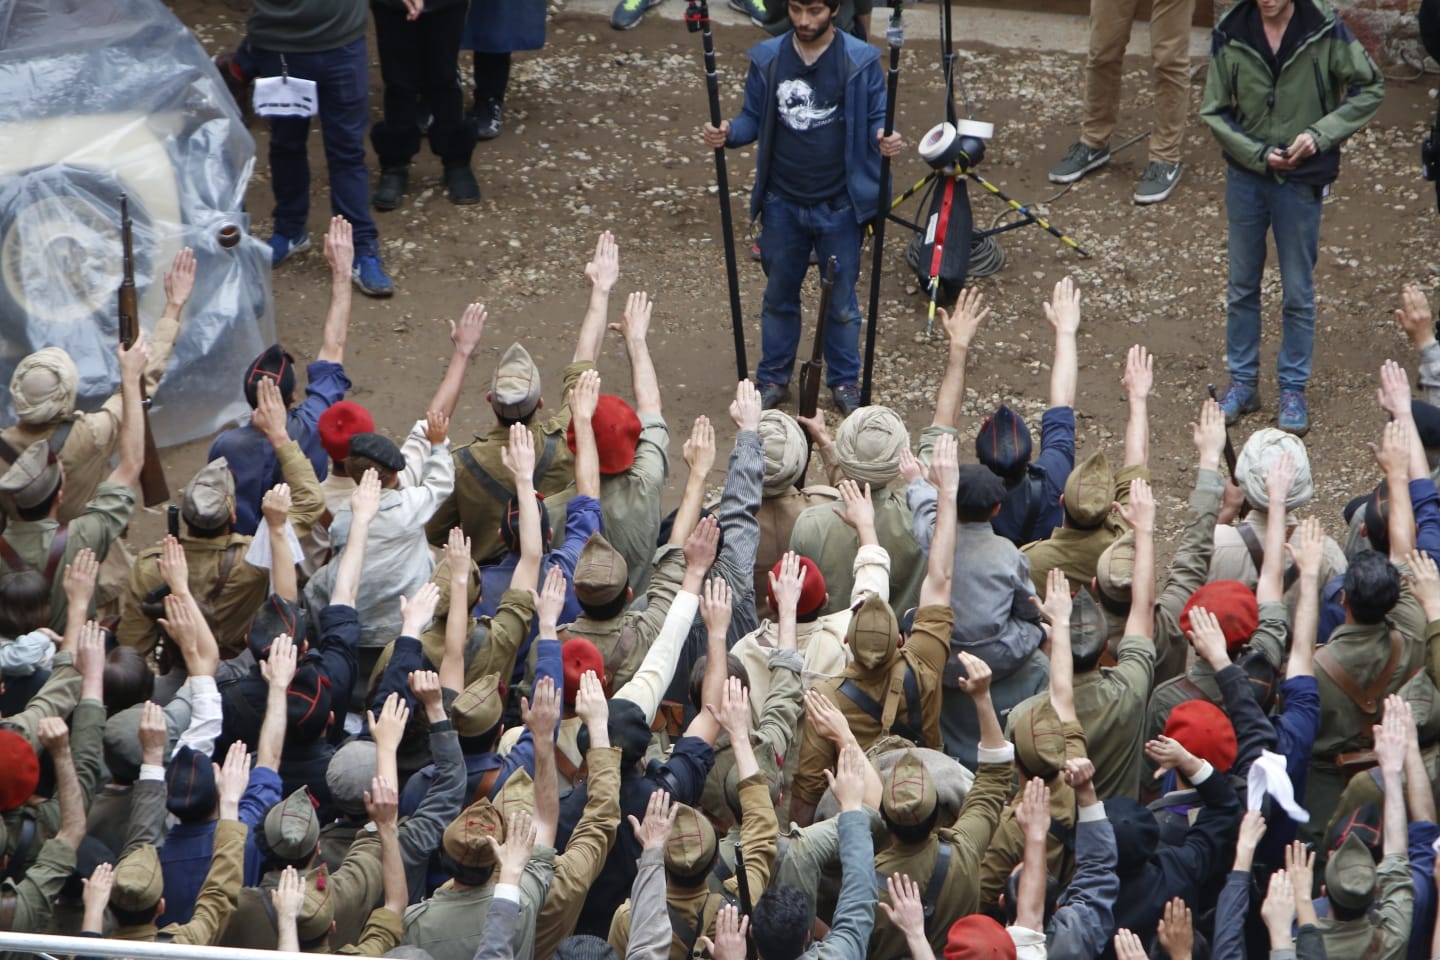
(807, 161)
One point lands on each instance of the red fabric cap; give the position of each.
(812, 594)
(577, 656)
(1204, 730)
(978, 937)
(1233, 604)
(617, 431)
(341, 422)
(22, 770)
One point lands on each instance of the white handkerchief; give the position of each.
(260, 554)
(1268, 775)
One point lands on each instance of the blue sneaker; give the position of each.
(1294, 414)
(1238, 400)
(369, 275)
(282, 248)
(629, 13)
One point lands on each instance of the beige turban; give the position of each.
(786, 450)
(43, 387)
(1259, 456)
(868, 444)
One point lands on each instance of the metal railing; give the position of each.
(52, 947)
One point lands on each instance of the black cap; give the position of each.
(275, 616)
(1004, 441)
(307, 704)
(381, 449)
(980, 489)
(276, 364)
(190, 791)
(1427, 423)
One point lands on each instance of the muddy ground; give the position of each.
(601, 133)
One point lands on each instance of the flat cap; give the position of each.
(139, 881)
(274, 617)
(1350, 875)
(466, 840)
(979, 489)
(515, 390)
(1089, 490)
(873, 633)
(1003, 442)
(349, 774)
(478, 707)
(1040, 740)
(307, 704)
(33, 477)
(909, 796)
(692, 844)
(1115, 570)
(292, 828)
(600, 573)
(209, 499)
(381, 449)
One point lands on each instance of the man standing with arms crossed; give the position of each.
(815, 100)
(1288, 84)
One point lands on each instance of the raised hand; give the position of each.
(733, 714)
(543, 712)
(80, 578)
(1176, 932)
(788, 586)
(512, 855)
(437, 427)
(585, 396)
(730, 932)
(276, 505)
(1308, 552)
(270, 415)
(457, 555)
(1393, 394)
(1414, 316)
(180, 278)
(1063, 310)
(1209, 433)
(519, 455)
(1207, 637)
(416, 612)
(1139, 373)
(945, 467)
(1033, 814)
(827, 719)
(550, 601)
(976, 681)
(746, 409)
(910, 466)
(856, 508)
(388, 729)
(604, 267)
(1058, 602)
(590, 703)
(654, 830)
(699, 450)
(848, 781)
(278, 669)
(174, 567)
(1140, 514)
(961, 323)
(382, 802)
(1168, 754)
(1280, 479)
(701, 545)
(466, 334)
(289, 895)
(340, 249)
(906, 909)
(716, 606)
(635, 324)
(425, 684)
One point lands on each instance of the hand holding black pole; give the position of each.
(697, 19)
(895, 36)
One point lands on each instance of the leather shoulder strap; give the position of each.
(60, 435)
(937, 878)
(547, 456)
(8, 452)
(472, 466)
(7, 910)
(1257, 554)
(1367, 699)
(227, 563)
(12, 559)
(915, 722)
(56, 554)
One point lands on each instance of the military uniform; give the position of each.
(909, 677)
(1383, 930)
(772, 737)
(1075, 550)
(218, 573)
(578, 867)
(691, 846)
(624, 640)
(87, 724)
(1233, 558)
(946, 865)
(821, 535)
(491, 645)
(139, 883)
(483, 485)
(630, 501)
(777, 516)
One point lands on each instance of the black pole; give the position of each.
(895, 36)
(697, 18)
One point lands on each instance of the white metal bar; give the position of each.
(48, 944)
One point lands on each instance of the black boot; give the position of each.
(394, 181)
(486, 118)
(460, 185)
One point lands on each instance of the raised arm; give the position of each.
(457, 616)
(1063, 312)
(1033, 815)
(519, 459)
(364, 505)
(1308, 556)
(464, 338)
(276, 509)
(1270, 586)
(340, 253)
(541, 717)
(1390, 746)
(1393, 455)
(699, 453)
(1137, 380)
(382, 803)
(1140, 515)
(715, 609)
(278, 669)
(960, 327)
(54, 736)
(1056, 610)
(583, 401)
(602, 271)
(132, 420)
(635, 327)
(945, 476)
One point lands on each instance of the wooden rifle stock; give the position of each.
(153, 488)
(812, 371)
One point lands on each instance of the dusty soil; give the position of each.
(601, 133)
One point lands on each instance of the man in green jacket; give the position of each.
(1288, 83)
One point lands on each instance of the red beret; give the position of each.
(22, 768)
(341, 422)
(812, 594)
(1233, 604)
(978, 937)
(617, 431)
(1204, 730)
(577, 656)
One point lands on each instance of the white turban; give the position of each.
(786, 451)
(868, 445)
(1260, 455)
(43, 387)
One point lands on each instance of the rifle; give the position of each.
(811, 371)
(895, 36)
(153, 488)
(742, 881)
(1229, 453)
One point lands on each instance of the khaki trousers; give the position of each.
(1110, 22)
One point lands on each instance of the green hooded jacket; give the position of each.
(1327, 85)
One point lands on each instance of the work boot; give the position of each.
(773, 394)
(1078, 161)
(485, 119)
(460, 185)
(1238, 400)
(846, 397)
(394, 181)
(1294, 413)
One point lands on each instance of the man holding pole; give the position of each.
(815, 101)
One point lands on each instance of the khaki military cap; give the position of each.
(1089, 630)
(909, 796)
(210, 496)
(292, 829)
(1040, 740)
(1350, 874)
(1115, 571)
(515, 391)
(139, 881)
(872, 632)
(478, 707)
(466, 840)
(33, 477)
(600, 573)
(691, 846)
(518, 794)
(1089, 491)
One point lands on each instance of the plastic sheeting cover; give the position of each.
(99, 99)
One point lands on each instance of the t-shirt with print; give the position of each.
(808, 157)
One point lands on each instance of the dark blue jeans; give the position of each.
(1254, 206)
(343, 87)
(789, 231)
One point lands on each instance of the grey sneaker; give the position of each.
(1078, 161)
(1158, 182)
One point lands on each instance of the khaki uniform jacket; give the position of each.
(1189, 569)
(1384, 933)
(245, 587)
(630, 501)
(87, 729)
(474, 505)
(98, 525)
(624, 640)
(1007, 847)
(1110, 704)
(821, 535)
(1077, 552)
(56, 698)
(94, 437)
(216, 900)
(36, 890)
(450, 922)
(925, 653)
(1232, 561)
(584, 856)
(777, 516)
(968, 839)
(382, 934)
(773, 734)
(698, 907)
(493, 641)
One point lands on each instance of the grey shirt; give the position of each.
(306, 26)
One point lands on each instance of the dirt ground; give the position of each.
(601, 133)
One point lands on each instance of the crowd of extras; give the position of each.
(851, 698)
